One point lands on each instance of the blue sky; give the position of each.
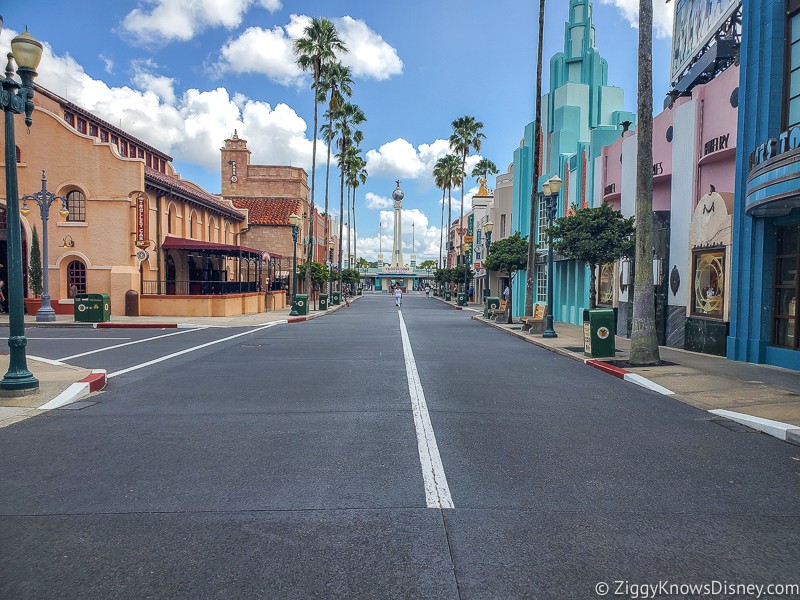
(182, 74)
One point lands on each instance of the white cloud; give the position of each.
(160, 21)
(663, 14)
(270, 51)
(108, 64)
(376, 202)
(190, 126)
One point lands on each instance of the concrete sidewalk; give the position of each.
(754, 395)
(62, 384)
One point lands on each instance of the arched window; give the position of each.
(191, 225)
(76, 278)
(212, 226)
(76, 204)
(225, 233)
(19, 155)
(171, 220)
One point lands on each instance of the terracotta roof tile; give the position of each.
(268, 211)
(191, 192)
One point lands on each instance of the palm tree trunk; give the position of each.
(310, 257)
(327, 181)
(341, 225)
(530, 281)
(441, 232)
(510, 297)
(644, 344)
(592, 286)
(461, 218)
(349, 231)
(355, 231)
(449, 220)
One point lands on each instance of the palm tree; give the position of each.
(453, 176)
(315, 49)
(537, 142)
(484, 169)
(467, 135)
(439, 180)
(335, 80)
(644, 344)
(347, 118)
(357, 177)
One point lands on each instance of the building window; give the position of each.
(123, 148)
(76, 203)
(19, 155)
(792, 92)
(541, 280)
(709, 282)
(171, 219)
(93, 130)
(605, 285)
(81, 125)
(502, 226)
(103, 135)
(76, 278)
(541, 223)
(115, 140)
(785, 316)
(69, 118)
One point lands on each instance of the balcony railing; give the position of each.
(197, 288)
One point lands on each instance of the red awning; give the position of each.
(174, 243)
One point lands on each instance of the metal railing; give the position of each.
(197, 288)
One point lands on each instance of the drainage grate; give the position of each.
(733, 425)
(80, 405)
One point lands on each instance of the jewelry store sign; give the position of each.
(142, 214)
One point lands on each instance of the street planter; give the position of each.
(32, 305)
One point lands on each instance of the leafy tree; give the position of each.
(316, 48)
(595, 236)
(319, 274)
(508, 255)
(351, 276)
(35, 266)
(467, 135)
(644, 343)
(428, 264)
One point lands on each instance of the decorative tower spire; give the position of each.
(397, 251)
(413, 249)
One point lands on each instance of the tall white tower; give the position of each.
(397, 251)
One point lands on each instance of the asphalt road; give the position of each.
(313, 460)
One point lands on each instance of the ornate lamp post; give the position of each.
(294, 221)
(44, 200)
(487, 229)
(17, 99)
(551, 188)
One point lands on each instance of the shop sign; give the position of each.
(658, 169)
(717, 144)
(788, 140)
(610, 189)
(142, 214)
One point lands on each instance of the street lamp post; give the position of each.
(551, 188)
(488, 227)
(17, 99)
(330, 271)
(44, 200)
(466, 275)
(294, 220)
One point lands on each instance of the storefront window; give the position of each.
(792, 98)
(709, 283)
(605, 285)
(787, 288)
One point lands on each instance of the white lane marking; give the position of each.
(194, 348)
(437, 493)
(48, 361)
(78, 338)
(150, 339)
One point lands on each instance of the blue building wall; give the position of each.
(580, 114)
(758, 211)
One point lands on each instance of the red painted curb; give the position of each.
(607, 368)
(457, 308)
(136, 325)
(297, 319)
(96, 381)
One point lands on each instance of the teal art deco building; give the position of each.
(580, 115)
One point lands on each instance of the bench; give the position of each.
(535, 324)
(495, 312)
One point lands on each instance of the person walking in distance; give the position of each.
(398, 296)
(505, 294)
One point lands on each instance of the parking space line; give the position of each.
(150, 339)
(77, 338)
(437, 492)
(192, 349)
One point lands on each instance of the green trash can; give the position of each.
(447, 295)
(461, 299)
(598, 332)
(490, 303)
(336, 298)
(301, 304)
(92, 308)
(323, 301)
(360, 291)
